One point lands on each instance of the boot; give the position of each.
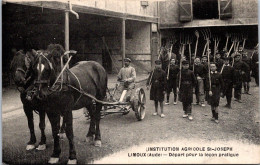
(168, 98)
(216, 118)
(213, 115)
(248, 89)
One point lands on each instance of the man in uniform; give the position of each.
(227, 73)
(215, 87)
(172, 73)
(200, 72)
(187, 83)
(240, 68)
(246, 77)
(219, 62)
(157, 80)
(126, 78)
(204, 62)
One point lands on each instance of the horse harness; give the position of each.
(61, 82)
(58, 80)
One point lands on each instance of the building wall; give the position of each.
(123, 6)
(244, 12)
(138, 47)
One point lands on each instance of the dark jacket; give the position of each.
(188, 81)
(228, 79)
(246, 76)
(157, 80)
(206, 66)
(255, 64)
(240, 68)
(200, 70)
(173, 72)
(216, 88)
(248, 61)
(219, 64)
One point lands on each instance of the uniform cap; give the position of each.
(237, 54)
(127, 60)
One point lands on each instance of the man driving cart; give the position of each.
(126, 82)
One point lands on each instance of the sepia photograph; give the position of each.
(130, 82)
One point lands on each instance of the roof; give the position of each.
(83, 6)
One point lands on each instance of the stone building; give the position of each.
(219, 16)
(109, 30)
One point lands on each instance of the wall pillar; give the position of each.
(66, 30)
(123, 41)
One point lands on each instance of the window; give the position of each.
(205, 9)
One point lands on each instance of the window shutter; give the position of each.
(185, 10)
(225, 9)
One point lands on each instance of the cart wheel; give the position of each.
(138, 104)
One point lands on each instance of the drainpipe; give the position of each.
(67, 24)
(123, 42)
(67, 27)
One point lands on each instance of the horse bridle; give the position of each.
(20, 70)
(38, 80)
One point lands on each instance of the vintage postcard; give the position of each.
(130, 82)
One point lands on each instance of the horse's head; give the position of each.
(20, 66)
(46, 68)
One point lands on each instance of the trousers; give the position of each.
(186, 108)
(199, 91)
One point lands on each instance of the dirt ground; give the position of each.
(123, 133)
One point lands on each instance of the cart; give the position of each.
(136, 102)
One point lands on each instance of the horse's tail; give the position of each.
(104, 81)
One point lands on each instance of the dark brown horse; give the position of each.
(61, 95)
(20, 66)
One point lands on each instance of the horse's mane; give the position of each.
(15, 60)
(55, 50)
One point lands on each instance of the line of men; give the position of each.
(211, 81)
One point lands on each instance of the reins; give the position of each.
(80, 89)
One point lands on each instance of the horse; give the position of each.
(20, 66)
(63, 94)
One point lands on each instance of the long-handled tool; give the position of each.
(215, 47)
(183, 43)
(169, 56)
(244, 36)
(207, 35)
(196, 46)
(218, 40)
(208, 39)
(233, 43)
(228, 36)
(160, 51)
(189, 42)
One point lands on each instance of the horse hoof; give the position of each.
(53, 160)
(97, 143)
(41, 147)
(89, 139)
(62, 136)
(73, 161)
(30, 147)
